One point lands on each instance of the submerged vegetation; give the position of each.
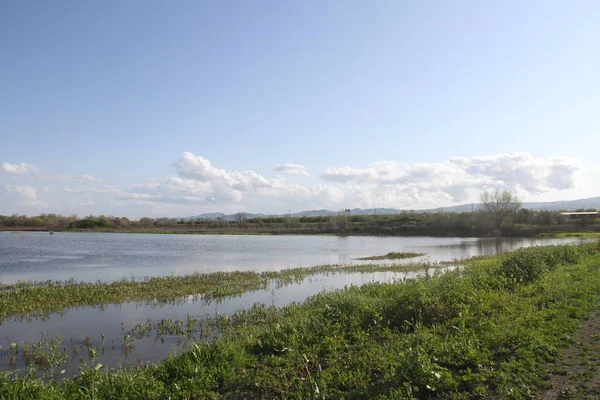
(393, 256)
(490, 329)
(49, 296)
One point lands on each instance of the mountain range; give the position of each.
(567, 205)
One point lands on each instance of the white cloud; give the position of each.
(26, 194)
(64, 177)
(88, 178)
(292, 169)
(390, 172)
(19, 169)
(26, 169)
(198, 186)
(223, 185)
(83, 203)
(199, 183)
(453, 179)
(522, 172)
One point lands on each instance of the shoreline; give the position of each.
(541, 235)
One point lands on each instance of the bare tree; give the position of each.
(498, 204)
(240, 219)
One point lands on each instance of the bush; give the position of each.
(524, 265)
(89, 224)
(527, 265)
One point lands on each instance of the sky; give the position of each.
(154, 108)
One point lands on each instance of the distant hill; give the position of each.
(592, 202)
(313, 213)
(226, 217)
(567, 205)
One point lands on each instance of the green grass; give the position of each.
(393, 256)
(570, 234)
(49, 296)
(489, 330)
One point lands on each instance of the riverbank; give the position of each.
(492, 329)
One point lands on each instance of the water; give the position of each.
(115, 322)
(111, 256)
(89, 257)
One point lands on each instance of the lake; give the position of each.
(111, 256)
(115, 329)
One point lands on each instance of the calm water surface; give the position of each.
(112, 256)
(116, 322)
(90, 256)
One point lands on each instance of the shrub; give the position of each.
(527, 265)
(524, 265)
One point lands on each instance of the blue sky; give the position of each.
(176, 108)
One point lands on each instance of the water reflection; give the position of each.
(111, 256)
(138, 332)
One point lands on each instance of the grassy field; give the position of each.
(490, 330)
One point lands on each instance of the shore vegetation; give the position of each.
(493, 329)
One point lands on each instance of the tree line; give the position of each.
(477, 223)
(501, 213)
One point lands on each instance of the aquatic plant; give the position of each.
(50, 296)
(393, 256)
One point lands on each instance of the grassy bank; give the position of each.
(488, 330)
(570, 234)
(49, 296)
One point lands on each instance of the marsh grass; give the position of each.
(23, 298)
(569, 234)
(393, 256)
(489, 330)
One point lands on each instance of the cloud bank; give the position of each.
(196, 185)
(26, 195)
(26, 169)
(453, 179)
(18, 169)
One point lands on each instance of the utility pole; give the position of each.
(471, 208)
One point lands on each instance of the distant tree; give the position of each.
(221, 222)
(342, 221)
(145, 221)
(291, 222)
(124, 222)
(498, 204)
(240, 219)
(165, 222)
(546, 217)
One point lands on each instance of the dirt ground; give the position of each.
(577, 375)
